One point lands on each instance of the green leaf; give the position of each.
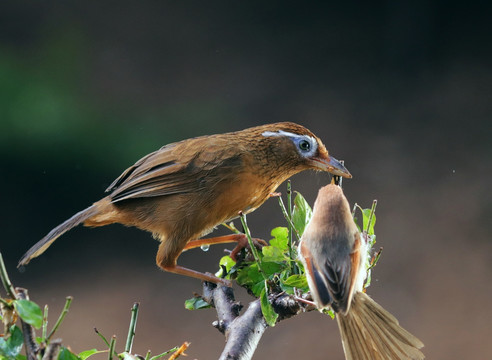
(12, 346)
(267, 309)
(272, 253)
(164, 353)
(88, 353)
(294, 281)
(329, 312)
(258, 288)
(298, 281)
(196, 303)
(271, 268)
(280, 233)
(228, 263)
(66, 354)
(30, 312)
(366, 214)
(280, 238)
(301, 214)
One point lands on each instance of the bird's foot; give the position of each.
(242, 242)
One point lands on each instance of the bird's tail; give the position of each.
(43, 244)
(369, 332)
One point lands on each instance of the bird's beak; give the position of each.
(333, 166)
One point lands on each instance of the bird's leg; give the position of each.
(176, 269)
(167, 256)
(240, 239)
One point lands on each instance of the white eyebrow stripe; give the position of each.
(287, 134)
(283, 133)
(296, 139)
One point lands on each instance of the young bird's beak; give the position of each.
(332, 165)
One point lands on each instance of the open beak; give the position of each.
(333, 166)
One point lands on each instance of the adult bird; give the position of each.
(182, 191)
(335, 256)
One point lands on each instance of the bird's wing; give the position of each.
(342, 277)
(334, 276)
(174, 169)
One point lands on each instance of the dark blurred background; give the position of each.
(400, 90)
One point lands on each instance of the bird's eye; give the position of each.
(304, 145)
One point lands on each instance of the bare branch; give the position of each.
(243, 332)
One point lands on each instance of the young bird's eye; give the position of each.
(304, 145)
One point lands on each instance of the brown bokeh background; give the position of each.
(400, 91)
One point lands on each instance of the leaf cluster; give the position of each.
(276, 268)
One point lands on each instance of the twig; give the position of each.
(32, 347)
(61, 317)
(180, 351)
(291, 227)
(251, 244)
(371, 214)
(5, 279)
(131, 330)
(111, 347)
(286, 216)
(45, 323)
(52, 350)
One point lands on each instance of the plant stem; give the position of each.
(131, 330)
(102, 337)
(5, 279)
(61, 317)
(291, 228)
(373, 211)
(45, 323)
(163, 354)
(251, 244)
(111, 347)
(286, 216)
(231, 227)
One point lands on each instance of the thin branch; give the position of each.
(52, 350)
(64, 312)
(32, 347)
(131, 330)
(5, 279)
(251, 244)
(286, 216)
(111, 347)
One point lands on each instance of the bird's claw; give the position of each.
(244, 243)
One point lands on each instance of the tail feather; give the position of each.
(43, 244)
(369, 332)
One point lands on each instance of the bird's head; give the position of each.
(294, 145)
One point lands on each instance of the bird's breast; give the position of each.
(243, 193)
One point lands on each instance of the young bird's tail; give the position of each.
(371, 333)
(43, 244)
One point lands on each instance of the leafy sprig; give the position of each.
(13, 340)
(276, 268)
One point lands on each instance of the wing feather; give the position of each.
(174, 169)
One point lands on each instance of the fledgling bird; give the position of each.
(335, 256)
(183, 190)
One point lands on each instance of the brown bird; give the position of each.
(182, 191)
(335, 256)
